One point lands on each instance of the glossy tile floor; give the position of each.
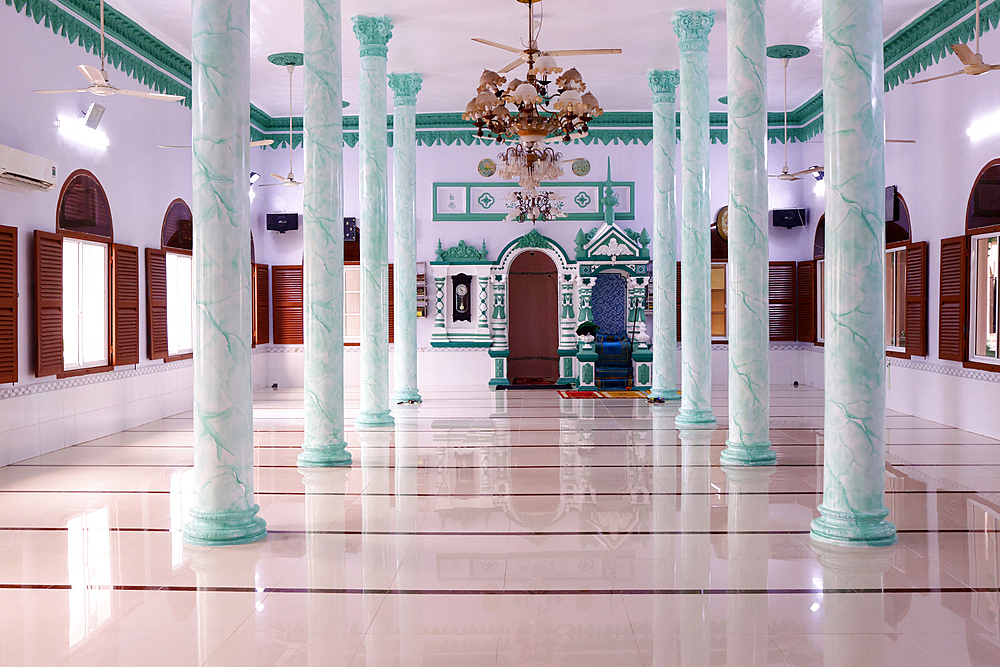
(508, 528)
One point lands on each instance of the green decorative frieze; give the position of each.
(374, 33)
(461, 253)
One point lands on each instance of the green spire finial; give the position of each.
(610, 199)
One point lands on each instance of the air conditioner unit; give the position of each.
(26, 170)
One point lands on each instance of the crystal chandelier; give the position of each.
(529, 166)
(534, 205)
(537, 109)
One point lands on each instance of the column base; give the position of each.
(658, 395)
(374, 419)
(748, 454)
(324, 456)
(412, 396)
(852, 529)
(695, 419)
(210, 529)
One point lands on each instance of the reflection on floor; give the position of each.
(507, 528)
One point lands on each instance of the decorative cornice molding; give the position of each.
(374, 33)
(137, 53)
(663, 83)
(405, 87)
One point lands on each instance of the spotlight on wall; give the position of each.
(93, 115)
(254, 177)
(74, 130)
(817, 174)
(984, 128)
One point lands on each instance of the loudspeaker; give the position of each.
(788, 217)
(282, 222)
(94, 115)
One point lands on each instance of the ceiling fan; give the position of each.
(973, 61)
(785, 175)
(99, 84)
(290, 179)
(253, 144)
(532, 47)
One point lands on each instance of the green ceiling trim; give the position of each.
(911, 50)
(144, 58)
(903, 61)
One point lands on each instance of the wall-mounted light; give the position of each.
(820, 188)
(76, 130)
(254, 177)
(984, 128)
(818, 175)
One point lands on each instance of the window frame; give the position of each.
(972, 358)
(897, 248)
(109, 243)
(80, 288)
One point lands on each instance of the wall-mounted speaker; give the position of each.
(788, 217)
(282, 222)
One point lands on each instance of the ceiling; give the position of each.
(433, 37)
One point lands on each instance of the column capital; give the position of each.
(374, 33)
(405, 87)
(663, 83)
(692, 27)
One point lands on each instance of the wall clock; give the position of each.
(722, 222)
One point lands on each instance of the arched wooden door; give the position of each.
(533, 322)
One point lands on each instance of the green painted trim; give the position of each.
(130, 49)
(571, 352)
(499, 354)
(455, 344)
(134, 51)
(499, 217)
(496, 382)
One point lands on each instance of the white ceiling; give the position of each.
(433, 37)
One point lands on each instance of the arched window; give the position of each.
(969, 279)
(169, 295)
(86, 286)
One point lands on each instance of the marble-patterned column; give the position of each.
(374, 33)
(224, 510)
(663, 83)
(692, 27)
(323, 238)
(853, 509)
(749, 327)
(404, 227)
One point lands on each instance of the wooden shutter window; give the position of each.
(156, 304)
(286, 288)
(48, 304)
(125, 305)
(262, 305)
(678, 299)
(392, 316)
(8, 304)
(806, 301)
(782, 277)
(954, 277)
(916, 299)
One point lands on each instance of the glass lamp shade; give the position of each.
(545, 64)
(571, 80)
(525, 94)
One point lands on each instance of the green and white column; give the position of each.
(323, 238)
(224, 510)
(853, 509)
(374, 33)
(663, 83)
(749, 327)
(404, 179)
(692, 27)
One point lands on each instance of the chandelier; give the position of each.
(538, 108)
(531, 204)
(529, 166)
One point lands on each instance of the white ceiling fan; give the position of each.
(532, 47)
(99, 84)
(973, 61)
(290, 179)
(785, 175)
